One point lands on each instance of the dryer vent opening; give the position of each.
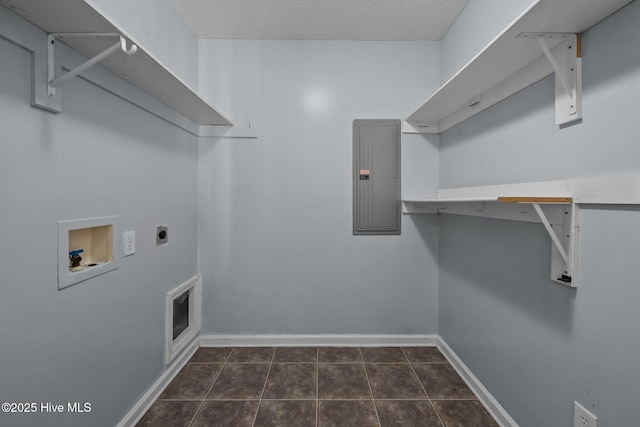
(180, 314)
(182, 317)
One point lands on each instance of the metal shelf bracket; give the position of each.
(53, 82)
(567, 64)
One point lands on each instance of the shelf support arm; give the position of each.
(552, 234)
(562, 51)
(53, 82)
(562, 76)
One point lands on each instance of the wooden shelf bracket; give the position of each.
(567, 66)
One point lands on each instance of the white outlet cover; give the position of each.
(129, 242)
(582, 417)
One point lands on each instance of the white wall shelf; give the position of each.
(516, 59)
(141, 69)
(558, 215)
(557, 210)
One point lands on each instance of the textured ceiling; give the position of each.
(320, 19)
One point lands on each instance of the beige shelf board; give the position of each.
(445, 200)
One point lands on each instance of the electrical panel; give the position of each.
(376, 177)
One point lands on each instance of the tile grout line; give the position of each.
(435, 409)
(209, 389)
(264, 386)
(373, 401)
(226, 362)
(424, 389)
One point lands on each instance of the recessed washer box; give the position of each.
(86, 249)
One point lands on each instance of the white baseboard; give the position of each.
(142, 406)
(316, 340)
(488, 401)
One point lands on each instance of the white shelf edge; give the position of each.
(487, 207)
(454, 200)
(414, 116)
(542, 200)
(616, 189)
(143, 70)
(203, 106)
(506, 65)
(612, 189)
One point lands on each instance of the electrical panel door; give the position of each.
(376, 177)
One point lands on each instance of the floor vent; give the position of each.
(182, 316)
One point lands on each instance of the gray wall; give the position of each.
(479, 23)
(277, 252)
(101, 341)
(271, 219)
(156, 26)
(536, 345)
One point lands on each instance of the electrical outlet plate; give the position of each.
(582, 417)
(162, 234)
(129, 242)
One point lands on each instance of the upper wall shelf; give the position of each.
(141, 69)
(510, 63)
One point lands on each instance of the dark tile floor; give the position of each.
(317, 386)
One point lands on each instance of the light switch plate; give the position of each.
(129, 242)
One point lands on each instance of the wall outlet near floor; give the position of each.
(582, 417)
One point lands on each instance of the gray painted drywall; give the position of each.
(230, 73)
(101, 341)
(479, 23)
(536, 345)
(276, 249)
(156, 25)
